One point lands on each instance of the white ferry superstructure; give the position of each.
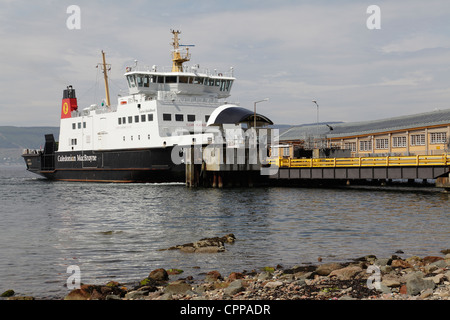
(133, 141)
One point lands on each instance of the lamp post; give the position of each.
(254, 116)
(317, 122)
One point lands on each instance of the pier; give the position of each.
(292, 171)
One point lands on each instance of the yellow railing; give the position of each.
(392, 161)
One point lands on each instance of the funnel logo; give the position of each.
(65, 108)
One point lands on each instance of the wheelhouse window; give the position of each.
(191, 117)
(131, 81)
(136, 119)
(179, 117)
(167, 117)
(130, 119)
(171, 79)
(150, 117)
(143, 117)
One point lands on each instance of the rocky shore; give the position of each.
(365, 278)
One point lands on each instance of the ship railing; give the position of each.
(186, 69)
(390, 161)
(28, 152)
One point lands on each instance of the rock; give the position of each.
(431, 259)
(8, 293)
(178, 287)
(382, 262)
(415, 283)
(210, 249)
(84, 293)
(346, 273)
(445, 251)
(235, 276)
(135, 295)
(403, 289)
(205, 245)
(426, 293)
(159, 275)
(414, 260)
(264, 276)
(213, 276)
(234, 287)
(327, 268)
(440, 263)
(22, 298)
(391, 283)
(174, 271)
(436, 279)
(273, 284)
(400, 264)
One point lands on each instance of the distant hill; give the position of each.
(14, 139)
(25, 137)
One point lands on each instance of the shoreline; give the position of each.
(365, 278)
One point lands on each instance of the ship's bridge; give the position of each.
(216, 85)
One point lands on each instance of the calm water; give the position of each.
(114, 231)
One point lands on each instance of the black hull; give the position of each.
(143, 165)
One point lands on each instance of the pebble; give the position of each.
(414, 279)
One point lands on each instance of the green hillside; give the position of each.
(14, 139)
(25, 137)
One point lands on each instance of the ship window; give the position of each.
(140, 80)
(74, 125)
(123, 138)
(130, 119)
(124, 120)
(131, 138)
(142, 117)
(171, 79)
(150, 117)
(183, 80)
(191, 117)
(206, 118)
(146, 81)
(160, 79)
(167, 117)
(131, 81)
(79, 125)
(84, 125)
(139, 137)
(179, 117)
(120, 121)
(211, 82)
(136, 119)
(198, 80)
(148, 137)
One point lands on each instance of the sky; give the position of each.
(291, 52)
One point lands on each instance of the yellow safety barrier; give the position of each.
(391, 161)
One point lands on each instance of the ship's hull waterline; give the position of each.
(139, 165)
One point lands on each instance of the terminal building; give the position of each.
(426, 133)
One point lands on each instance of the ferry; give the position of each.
(134, 140)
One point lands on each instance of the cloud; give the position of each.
(417, 42)
(289, 51)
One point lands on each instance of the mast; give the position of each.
(105, 74)
(177, 58)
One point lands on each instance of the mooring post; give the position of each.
(190, 167)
